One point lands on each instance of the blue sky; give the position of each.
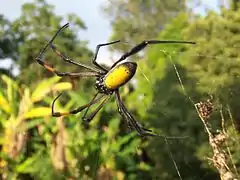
(90, 13)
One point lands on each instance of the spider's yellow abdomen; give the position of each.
(120, 75)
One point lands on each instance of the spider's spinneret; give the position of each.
(116, 77)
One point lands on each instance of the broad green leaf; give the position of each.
(38, 112)
(62, 86)
(9, 81)
(25, 103)
(10, 86)
(44, 88)
(29, 164)
(4, 105)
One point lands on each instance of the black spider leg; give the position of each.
(73, 74)
(75, 111)
(65, 58)
(143, 44)
(90, 104)
(132, 123)
(87, 119)
(127, 116)
(96, 53)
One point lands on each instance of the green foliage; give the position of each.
(218, 63)
(133, 21)
(85, 153)
(215, 65)
(169, 80)
(7, 43)
(166, 108)
(166, 79)
(35, 26)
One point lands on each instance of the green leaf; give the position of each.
(4, 105)
(62, 86)
(28, 166)
(10, 86)
(44, 88)
(38, 112)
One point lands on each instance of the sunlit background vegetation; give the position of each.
(169, 81)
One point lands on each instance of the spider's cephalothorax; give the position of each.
(108, 81)
(116, 77)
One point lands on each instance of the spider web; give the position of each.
(194, 103)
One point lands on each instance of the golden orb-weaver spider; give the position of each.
(108, 81)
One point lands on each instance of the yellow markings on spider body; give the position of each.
(120, 75)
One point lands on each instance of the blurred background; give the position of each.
(191, 92)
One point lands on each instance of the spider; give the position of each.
(108, 81)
